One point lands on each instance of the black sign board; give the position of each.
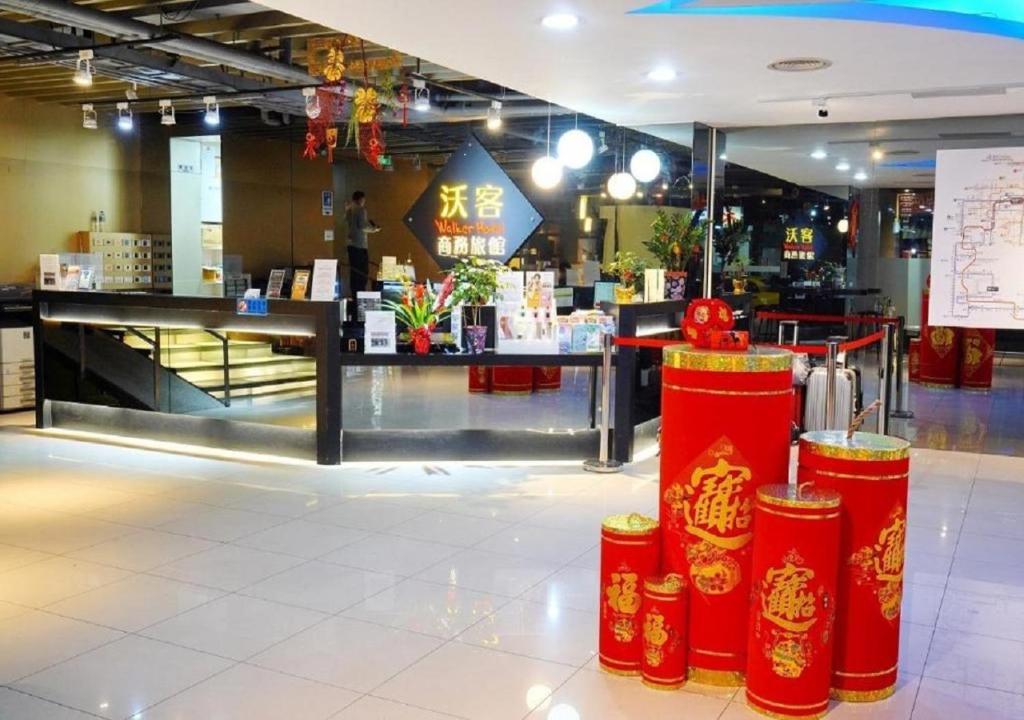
(472, 208)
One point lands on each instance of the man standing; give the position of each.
(359, 225)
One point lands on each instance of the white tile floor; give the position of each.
(137, 584)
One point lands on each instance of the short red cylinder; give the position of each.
(914, 359)
(977, 355)
(871, 473)
(939, 350)
(479, 379)
(793, 600)
(663, 662)
(547, 379)
(726, 421)
(512, 380)
(629, 555)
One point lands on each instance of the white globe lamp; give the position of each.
(575, 149)
(621, 186)
(546, 172)
(645, 165)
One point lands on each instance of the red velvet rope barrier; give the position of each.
(854, 319)
(806, 349)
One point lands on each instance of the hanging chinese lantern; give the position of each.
(793, 603)
(725, 431)
(663, 662)
(629, 555)
(871, 473)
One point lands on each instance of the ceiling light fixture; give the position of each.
(132, 93)
(860, 176)
(621, 185)
(843, 166)
(83, 68)
(843, 226)
(575, 149)
(801, 64)
(819, 154)
(124, 116)
(878, 154)
(560, 21)
(167, 113)
(547, 171)
(212, 114)
(89, 117)
(645, 165)
(420, 95)
(312, 102)
(494, 116)
(662, 73)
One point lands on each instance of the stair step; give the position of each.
(297, 388)
(280, 379)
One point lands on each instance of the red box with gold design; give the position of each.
(914, 359)
(939, 351)
(725, 430)
(871, 473)
(547, 379)
(512, 380)
(663, 663)
(793, 600)
(479, 379)
(977, 353)
(629, 555)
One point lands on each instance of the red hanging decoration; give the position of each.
(312, 145)
(332, 142)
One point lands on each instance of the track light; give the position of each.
(88, 117)
(83, 68)
(124, 116)
(420, 95)
(494, 116)
(312, 103)
(212, 115)
(167, 113)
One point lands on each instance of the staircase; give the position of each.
(256, 372)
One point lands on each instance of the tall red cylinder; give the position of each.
(793, 600)
(629, 555)
(871, 473)
(663, 663)
(939, 351)
(914, 359)
(479, 379)
(725, 430)
(547, 379)
(977, 355)
(512, 380)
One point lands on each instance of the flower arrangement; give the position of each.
(420, 310)
(675, 239)
(476, 282)
(627, 268)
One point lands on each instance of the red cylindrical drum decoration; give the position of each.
(914, 359)
(663, 663)
(629, 555)
(939, 351)
(871, 473)
(793, 600)
(479, 379)
(725, 430)
(547, 379)
(977, 353)
(512, 380)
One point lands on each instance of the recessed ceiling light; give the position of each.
(819, 154)
(662, 73)
(860, 176)
(842, 166)
(878, 155)
(560, 21)
(800, 64)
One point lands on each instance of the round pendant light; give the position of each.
(621, 186)
(546, 172)
(645, 165)
(843, 226)
(575, 149)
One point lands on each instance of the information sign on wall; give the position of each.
(472, 208)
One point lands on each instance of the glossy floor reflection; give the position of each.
(145, 585)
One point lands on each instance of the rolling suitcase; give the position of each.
(847, 391)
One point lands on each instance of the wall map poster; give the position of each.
(472, 208)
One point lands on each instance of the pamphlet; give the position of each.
(526, 313)
(299, 284)
(379, 332)
(275, 283)
(654, 285)
(72, 277)
(389, 267)
(325, 273)
(366, 301)
(603, 292)
(49, 272)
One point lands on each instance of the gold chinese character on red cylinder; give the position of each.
(871, 473)
(663, 663)
(629, 555)
(977, 352)
(939, 351)
(725, 430)
(914, 359)
(793, 600)
(479, 379)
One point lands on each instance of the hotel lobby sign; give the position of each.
(472, 208)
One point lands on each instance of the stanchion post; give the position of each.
(900, 411)
(831, 367)
(603, 464)
(884, 367)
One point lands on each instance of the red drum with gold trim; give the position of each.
(914, 359)
(977, 352)
(512, 380)
(871, 473)
(547, 379)
(939, 351)
(793, 600)
(663, 663)
(479, 379)
(725, 430)
(629, 555)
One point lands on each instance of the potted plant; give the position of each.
(420, 310)
(675, 238)
(628, 269)
(475, 283)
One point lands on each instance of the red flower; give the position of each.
(419, 293)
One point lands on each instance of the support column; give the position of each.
(708, 175)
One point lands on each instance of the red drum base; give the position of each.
(547, 379)
(512, 380)
(479, 379)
